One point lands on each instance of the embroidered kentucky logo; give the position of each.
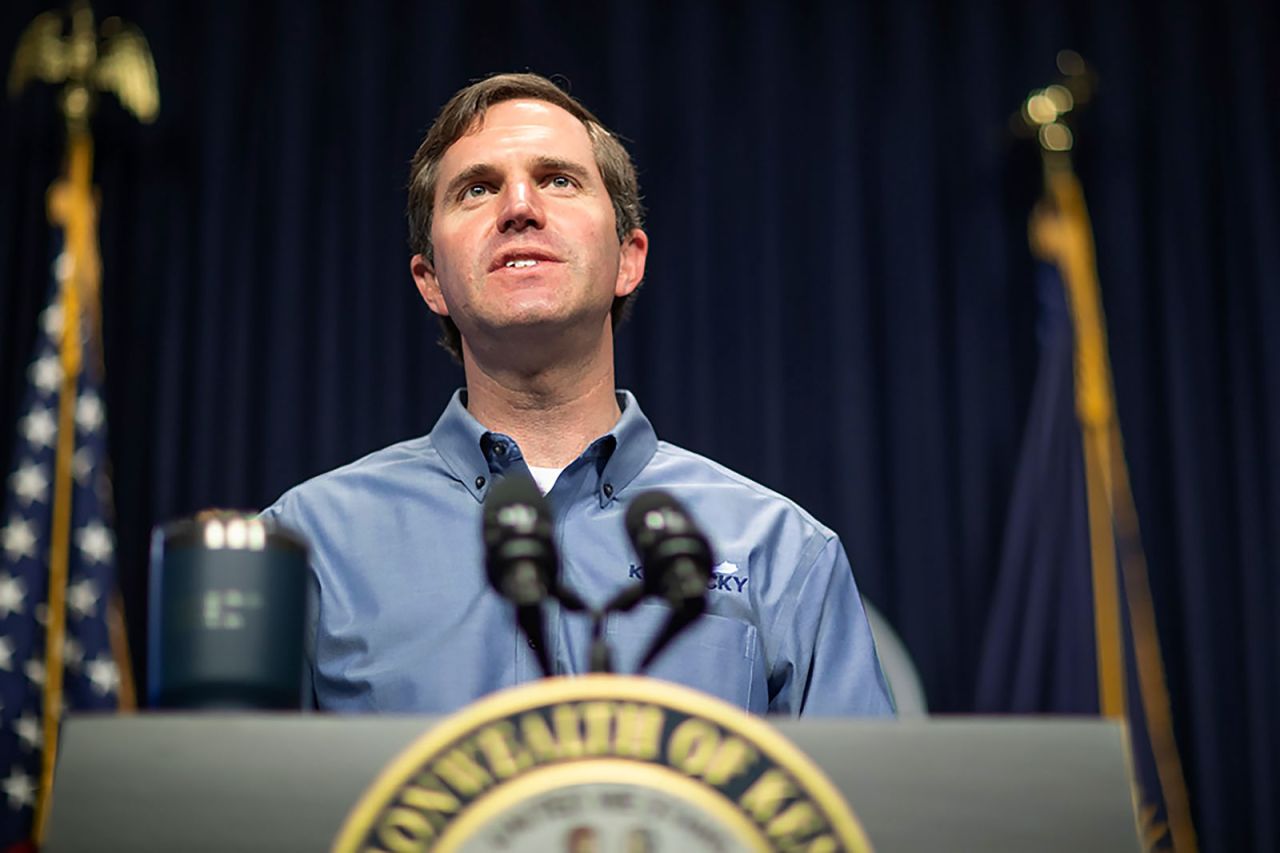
(723, 577)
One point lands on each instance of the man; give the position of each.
(525, 218)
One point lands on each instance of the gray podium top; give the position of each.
(286, 782)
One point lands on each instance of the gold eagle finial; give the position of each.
(115, 60)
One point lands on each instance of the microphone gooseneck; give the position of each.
(520, 555)
(677, 562)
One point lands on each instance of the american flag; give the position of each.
(91, 678)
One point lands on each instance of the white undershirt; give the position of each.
(544, 477)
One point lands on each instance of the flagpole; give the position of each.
(1146, 648)
(86, 60)
(1062, 234)
(71, 208)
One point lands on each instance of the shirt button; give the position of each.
(479, 482)
(500, 448)
(533, 644)
(608, 490)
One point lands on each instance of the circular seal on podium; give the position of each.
(601, 763)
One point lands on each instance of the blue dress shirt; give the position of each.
(402, 617)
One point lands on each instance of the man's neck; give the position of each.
(553, 414)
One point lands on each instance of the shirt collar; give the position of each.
(623, 452)
(634, 443)
(456, 437)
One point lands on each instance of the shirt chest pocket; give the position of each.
(716, 654)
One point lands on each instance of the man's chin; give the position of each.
(529, 326)
(548, 335)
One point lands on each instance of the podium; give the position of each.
(287, 782)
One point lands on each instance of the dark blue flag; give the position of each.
(1072, 628)
(1039, 649)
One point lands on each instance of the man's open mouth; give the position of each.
(522, 258)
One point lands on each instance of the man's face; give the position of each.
(523, 231)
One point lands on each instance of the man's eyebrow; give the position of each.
(469, 175)
(568, 167)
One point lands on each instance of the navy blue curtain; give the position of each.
(840, 300)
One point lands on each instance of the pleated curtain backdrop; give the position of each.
(840, 301)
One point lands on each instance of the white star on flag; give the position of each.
(89, 412)
(19, 539)
(72, 653)
(30, 484)
(46, 373)
(95, 543)
(82, 465)
(82, 597)
(6, 654)
(35, 671)
(51, 320)
(27, 727)
(103, 674)
(39, 428)
(20, 789)
(12, 592)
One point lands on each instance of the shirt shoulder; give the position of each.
(744, 519)
(696, 475)
(376, 475)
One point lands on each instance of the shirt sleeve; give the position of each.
(827, 663)
(275, 515)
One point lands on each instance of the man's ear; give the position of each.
(424, 276)
(635, 249)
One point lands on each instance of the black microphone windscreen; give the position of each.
(676, 555)
(519, 537)
(651, 511)
(513, 491)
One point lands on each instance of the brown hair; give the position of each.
(460, 115)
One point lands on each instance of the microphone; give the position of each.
(677, 562)
(520, 555)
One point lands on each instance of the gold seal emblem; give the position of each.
(601, 763)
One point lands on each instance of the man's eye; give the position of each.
(562, 182)
(475, 191)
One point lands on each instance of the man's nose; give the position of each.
(521, 207)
